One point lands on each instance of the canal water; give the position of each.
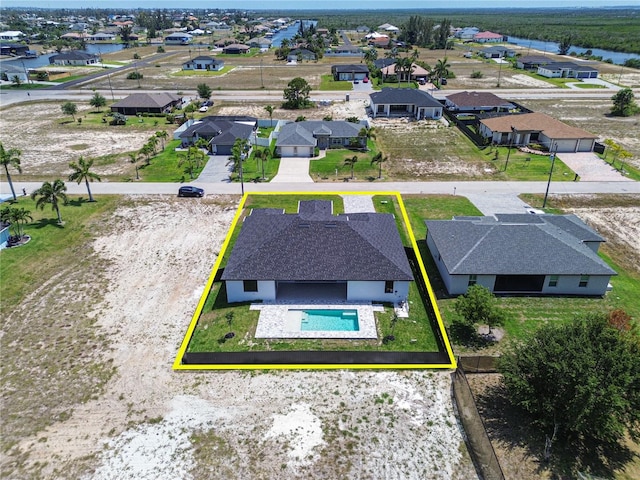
(553, 47)
(289, 32)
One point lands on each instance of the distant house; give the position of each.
(519, 253)
(380, 41)
(74, 57)
(300, 54)
(404, 102)
(349, 72)
(477, 102)
(417, 72)
(362, 29)
(178, 38)
(380, 63)
(488, 37)
(532, 62)
(146, 103)
(344, 51)
(567, 70)
(204, 62)
(8, 72)
(300, 139)
(536, 127)
(12, 35)
(356, 257)
(467, 33)
(262, 43)
(387, 27)
(497, 51)
(102, 37)
(236, 49)
(14, 49)
(221, 132)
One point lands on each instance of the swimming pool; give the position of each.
(329, 320)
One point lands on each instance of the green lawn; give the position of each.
(589, 85)
(164, 166)
(325, 168)
(252, 170)
(95, 118)
(206, 73)
(328, 83)
(525, 166)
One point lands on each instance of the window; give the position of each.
(388, 286)
(584, 280)
(473, 279)
(553, 281)
(250, 285)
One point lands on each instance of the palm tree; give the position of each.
(16, 217)
(351, 161)
(192, 160)
(153, 143)
(11, 157)
(441, 70)
(162, 134)
(202, 143)
(371, 55)
(147, 151)
(269, 109)
(82, 171)
(379, 159)
(51, 193)
(133, 158)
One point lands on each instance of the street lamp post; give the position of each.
(553, 161)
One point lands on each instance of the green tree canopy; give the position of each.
(624, 104)
(10, 157)
(204, 91)
(297, 94)
(97, 101)
(69, 108)
(479, 307)
(82, 171)
(578, 381)
(51, 193)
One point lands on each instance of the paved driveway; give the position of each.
(591, 168)
(217, 169)
(293, 169)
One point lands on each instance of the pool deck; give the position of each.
(281, 321)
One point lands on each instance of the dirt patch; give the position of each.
(151, 422)
(338, 110)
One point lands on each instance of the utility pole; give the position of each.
(261, 80)
(553, 161)
(513, 134)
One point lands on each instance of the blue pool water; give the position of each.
(329, 320)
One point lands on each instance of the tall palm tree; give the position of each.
(82, 171)
(133, 158)
(153, 143)
(10, 157)
(352, 162)
(192, 160)
(379, 159)
(51, 193)
(441, 70)
(269, 109)
(19, 217)
(371, 55)
(162, 135)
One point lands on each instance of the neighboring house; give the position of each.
(417, 72)
(4, 235)
(387, 27)
(146, 103)
(178, 38)
(362, 29)
(204, 62)
(477, 102)
(532, 62)
(519, 253)
(467, 33)
(102, 37)
(262, 43)
(380, 41)
(235, 49)
(380, 63)
(220, 131)
(488, 37)
(567, 70)
(8, 72)
(13, 49)
(356, 257)
(74, 57)
(300, 54)
(300, 139)
(405, 102)
(349, 72)
(526, 128)
(12, 35)
(344, 51)
(497, 52)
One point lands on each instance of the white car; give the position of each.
(204, 109)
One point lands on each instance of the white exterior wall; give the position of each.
(235, 291)
(291, 152)
(363, 291)
(568, 285)
(564, 145)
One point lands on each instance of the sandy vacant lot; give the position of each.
(149, 422)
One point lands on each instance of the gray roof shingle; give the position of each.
(517, 245)
(303, 133)
(404, 96)
(318, 246)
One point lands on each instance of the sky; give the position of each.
(311, 4)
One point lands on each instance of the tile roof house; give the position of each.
(567, 70)
(349, 72)
(487, 37)
(74, 57)
(300, 139)
(204, 62)
(519, 253)
(220, 131)
(236, 49)
(358, 257)
(476, 102)
(146, 103)
(404, 102)
(536, 127)
(417, 72)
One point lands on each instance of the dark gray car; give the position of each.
(189, 191)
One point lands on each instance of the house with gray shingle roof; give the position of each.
(146, 103)
(74, 57)
(204, 62)
(221, 132)
(349, 72)
(477, 102)
(300, 139)
(519, 254)
(404, 102)
(358, 257)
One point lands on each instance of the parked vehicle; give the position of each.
(365, 80)
(204, 109)
(189, 191)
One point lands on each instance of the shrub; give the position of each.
(134, 76)
(477, 74)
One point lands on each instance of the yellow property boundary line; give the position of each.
(177, 364)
